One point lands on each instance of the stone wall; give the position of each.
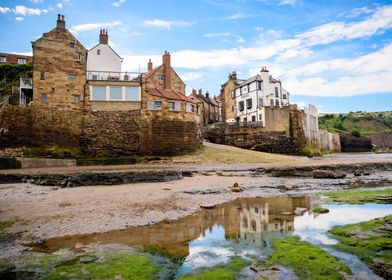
(115, 105)
(290, 140)
(355, 144)
(111, 134)
(329, 141)
(36, 127)
(162, 136)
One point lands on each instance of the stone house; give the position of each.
(164, 93)
(250, 97)
(108, 115)
(59, 69)
(210, 107)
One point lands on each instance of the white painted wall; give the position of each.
(107, 60)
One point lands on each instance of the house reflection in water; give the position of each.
(245, 218)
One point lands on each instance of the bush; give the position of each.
(355, 133)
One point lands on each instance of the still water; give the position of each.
(238, 228)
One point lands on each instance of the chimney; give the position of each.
(233, 75)
(194, 91)
(264, 73)
(200, 91)
(166, 70)
(60, 21)
(207, 94)
(103, 37)
(149, 65)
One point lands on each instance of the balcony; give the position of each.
(114, 76)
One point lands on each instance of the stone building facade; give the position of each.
(59, 70)
(109, 117)
(209, 108)
(226, 96)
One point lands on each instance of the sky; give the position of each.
(334, 54)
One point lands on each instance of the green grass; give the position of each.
(307, 261)
(368, 240)
(320, 210)
(113, 266)
(220, 272)
(383, 196)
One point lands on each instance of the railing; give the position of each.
(113, 76)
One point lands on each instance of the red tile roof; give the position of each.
(169, 94)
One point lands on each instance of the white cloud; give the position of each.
(191, 76)
(212, 35)
(93, 26)
(168, 24)
(19, 18)
(119, 2)
(4, 10)
(238, 16)
(287, 2)
(358, 12)
(59, 5)
(334, 31)
(37, 1)
(25, 11)
(240, 40)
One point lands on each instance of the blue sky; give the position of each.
(334, 54)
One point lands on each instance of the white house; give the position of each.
(103, 61)
(254, 94)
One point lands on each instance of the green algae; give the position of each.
(320, 210)
(371, 241)
(308, 261)
(227, 271)
(112, 266)
(382, 196)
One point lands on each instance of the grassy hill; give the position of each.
(357, 123)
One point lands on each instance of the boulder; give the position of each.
(235, 188)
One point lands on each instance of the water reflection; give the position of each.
(240, 218)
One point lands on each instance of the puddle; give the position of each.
(237, 228)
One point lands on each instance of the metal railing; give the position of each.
(113, 76)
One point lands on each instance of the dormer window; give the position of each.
(98, 52)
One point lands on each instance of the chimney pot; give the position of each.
(60, 21)
(103, 37)
(149, 65)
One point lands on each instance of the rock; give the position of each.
(287, 213)
(366, 173)
(288, 187)
(236, 188)
(322, 174)
(299, 211)
(357, 173)
(320, 210)
(208, 206)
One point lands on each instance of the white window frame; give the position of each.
(190, 108)
(3, 59)
(177, 106)
(21, 60)
(154, 105)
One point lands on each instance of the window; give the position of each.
(245, 120)
(284, 96)
(260, 101)
(276, 92)
(99, 93)
(161, 77)
(3, 59)
(98, 52)
(241, 106)
(233, 94)
(249, 103)
(259, 85)
(190, 108)
(115, 93)
(277, 102)
(253, 118)
(72, 45)
(154, 105)
(244, 89)
(260, 117)
(174, 106)
(132, 94)
(21, 60)
(271, 102)
(42, 76)
(43, 97)
(94, 77)
(76, 99)
(71, 77)
(79, 57)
